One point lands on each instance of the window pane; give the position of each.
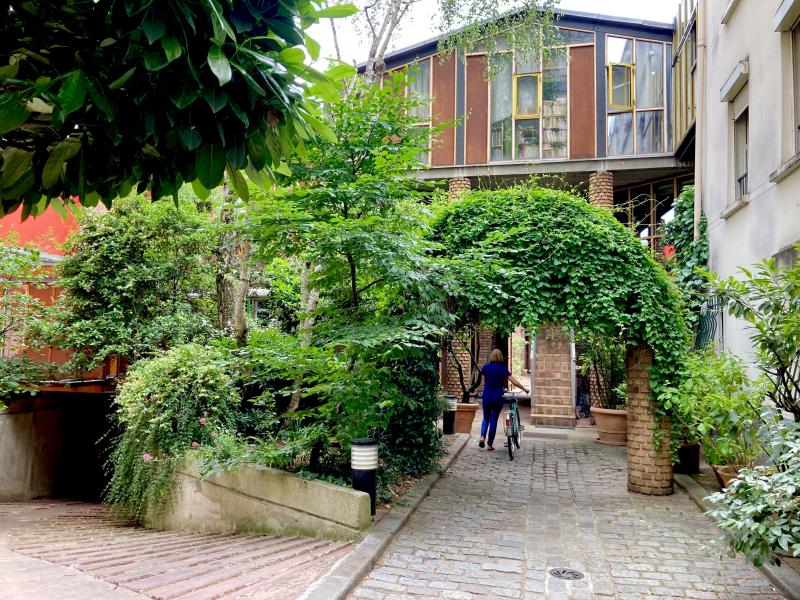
(501, 107)
(649, 132)
(620, 137)
(423, 156)
(419, 87)
(619, 50)
(620, 86)
(649, 75)
(554, 107)
(527, 139)
(528, 95)
(740, 151)
(572, 36)
(527, 64)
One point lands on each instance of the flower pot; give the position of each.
(612, 426)
(465, 415)
(724, 474)
(688, 459)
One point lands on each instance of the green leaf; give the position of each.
(185, 94)
(107, 42)
(239, 184)
(257, 149)
(118, 83)
(219, 64)
(16, 164)
(190, 137)
(8, 72)
(12, 112)
(313, 47)
(335, 12)
(218, 22)
(59, 155)
(98, 96)
(172, 47)
(200, 190)
(292, 56)
(340, 71)
(210, 165)
(153, 27)
(216, 98)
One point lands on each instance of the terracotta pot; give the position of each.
(724, 474)
(688, 459)
(465, 415)
(612, 426)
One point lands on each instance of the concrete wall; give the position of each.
(770, 220)
(255, 498)
(49, 447)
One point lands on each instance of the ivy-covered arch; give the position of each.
(530, 255)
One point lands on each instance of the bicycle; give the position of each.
(513, 424)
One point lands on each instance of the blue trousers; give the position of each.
(491, 412)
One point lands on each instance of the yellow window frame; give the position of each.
(632, 90)
(538, 93)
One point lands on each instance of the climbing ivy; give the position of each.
(529, 255)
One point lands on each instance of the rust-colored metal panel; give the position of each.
(582, 133)
(477, 126)
(444, 109)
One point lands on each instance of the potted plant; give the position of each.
(603, 362)
(463, 346)
(719, 405)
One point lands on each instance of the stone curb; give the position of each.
(786, 579)
(348, 572)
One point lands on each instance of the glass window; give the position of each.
(650, 132)
(501, 107)
(649, 74)
(620, 89)
(424, 131)
(527, 64)
(619, 50)
(527, 96)
(740, 151)
(419, 87)
(620, 134)
(569, 37)
(527, 139)
(554, 107)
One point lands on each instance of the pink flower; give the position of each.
(195, 444)
(147, 457)
(202, 421)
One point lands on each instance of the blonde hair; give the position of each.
(496, 356)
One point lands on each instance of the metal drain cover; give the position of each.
(568, 574)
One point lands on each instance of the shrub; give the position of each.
(603, 361)
(168, 404)
(760, 511)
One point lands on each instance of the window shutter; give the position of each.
(739, 102)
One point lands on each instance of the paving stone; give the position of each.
(493, 528)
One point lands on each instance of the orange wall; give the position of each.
(47, 231)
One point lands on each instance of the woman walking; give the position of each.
(496, 379)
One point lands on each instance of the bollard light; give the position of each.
(449, 416)
(364, 462)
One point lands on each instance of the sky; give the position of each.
(423, 24)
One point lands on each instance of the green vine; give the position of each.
(531, 256)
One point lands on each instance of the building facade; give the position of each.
(746, 87)
(596, 112)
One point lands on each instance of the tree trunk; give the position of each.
(233, 277)
(309, 299)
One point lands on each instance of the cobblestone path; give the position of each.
(492, 528)
(64, 550)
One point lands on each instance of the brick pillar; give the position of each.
(649, 470)
(457, 185)
(601, 189)
(552, 380)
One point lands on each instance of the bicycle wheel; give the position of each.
(517, 432)
(510, 448)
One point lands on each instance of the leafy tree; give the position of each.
(136, 279)
(691, 255)
(97, 97)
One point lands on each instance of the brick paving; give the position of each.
(492, 528)
(107, 560)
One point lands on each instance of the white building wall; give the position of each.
(770, 219)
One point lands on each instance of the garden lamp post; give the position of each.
(449, 415)
(364, 462)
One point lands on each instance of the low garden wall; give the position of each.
(261, 499)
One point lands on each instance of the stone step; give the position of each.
(553, 420)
